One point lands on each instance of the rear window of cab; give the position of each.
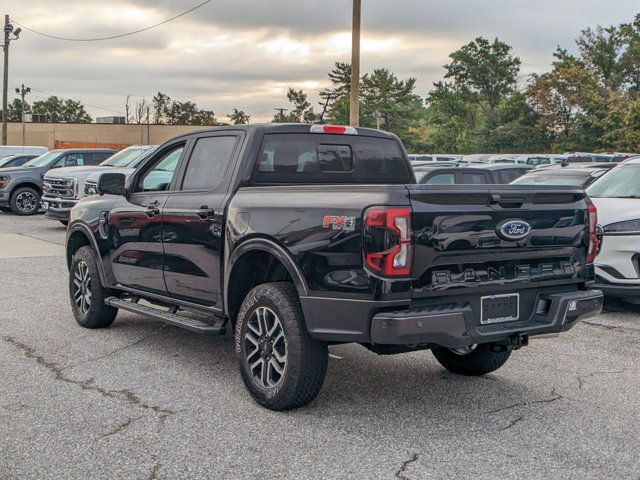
(323, 158)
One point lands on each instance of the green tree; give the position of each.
(389, 101)
(14, 110)
(59, 110)
(238, 117)
(486, 69)
(568, 102)
(301, 111)
(161, 103)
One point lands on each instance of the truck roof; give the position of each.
(265, 128)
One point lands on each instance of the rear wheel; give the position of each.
(87, 293)
(281, 365)
(25, 201)
(473, 361)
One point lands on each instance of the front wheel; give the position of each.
(281, 365)
(472, 361)
(25, 201)
(87, 293)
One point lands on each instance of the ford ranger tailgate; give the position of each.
(488, 237)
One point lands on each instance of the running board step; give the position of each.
(218, 328)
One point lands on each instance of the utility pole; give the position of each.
(354, 110)
(148, 126)
(8, 30)
(22, 91)
(281, 110)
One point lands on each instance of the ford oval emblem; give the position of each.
(514, 230)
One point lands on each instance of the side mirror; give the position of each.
(111, 184)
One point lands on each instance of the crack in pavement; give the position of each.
(117, 350)
(155, 469)
(582, 379)
(403, 468)
(125, 395)
(120, 428)
(513, 422)
(554, 396)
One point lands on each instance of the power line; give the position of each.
(85, 104)
(99, 39)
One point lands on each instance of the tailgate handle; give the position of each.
(506, 202)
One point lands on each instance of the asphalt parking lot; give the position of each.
(143, 400)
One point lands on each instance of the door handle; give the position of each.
(205, 213)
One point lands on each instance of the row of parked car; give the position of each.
(58, 179)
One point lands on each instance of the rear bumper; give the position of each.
(618, 289)
(454, 326)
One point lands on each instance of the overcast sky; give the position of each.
(245, 53)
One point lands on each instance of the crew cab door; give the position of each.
(136, 229)
(194, 219)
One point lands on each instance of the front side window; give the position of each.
(158, 178)
(71, 160)
(208, 162)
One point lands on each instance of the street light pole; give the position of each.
(8, 30)
(22, 91)
(354, 108)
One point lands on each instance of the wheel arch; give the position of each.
(79, 236)
(257, 261)
(27, 183)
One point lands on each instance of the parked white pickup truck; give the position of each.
(63, 187)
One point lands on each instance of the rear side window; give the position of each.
(473, 178)
(95, 158)
(208, 162)
(320, 158)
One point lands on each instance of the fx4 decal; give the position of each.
(339, 222)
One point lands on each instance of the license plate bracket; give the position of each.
(499, 308)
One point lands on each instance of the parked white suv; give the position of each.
(63, 187)
(91, 182)
(617, 196)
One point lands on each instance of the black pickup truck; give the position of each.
(297, 237)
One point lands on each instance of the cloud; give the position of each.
(245, 53)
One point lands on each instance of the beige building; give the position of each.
(75, 135)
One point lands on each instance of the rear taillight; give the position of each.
(388, 245)
(594, 241)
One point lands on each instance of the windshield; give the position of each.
(6, 161)
(564, 180)
(124, 157)
(621, 182)
(44, 160)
